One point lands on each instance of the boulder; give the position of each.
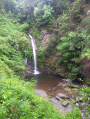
(67, 89)
(67, 80)
(57, 97)
(88, 13)
(62, 84)
(42, 93)
(54, 88)
(63, 96)
(65, 103)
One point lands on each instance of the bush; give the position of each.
(14, 45)
(71, 48)
(85, 91)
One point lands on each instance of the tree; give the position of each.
(43, 14)
(71, 48)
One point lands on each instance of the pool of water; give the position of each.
(49, 86)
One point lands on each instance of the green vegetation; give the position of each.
(17, 97)
(68, 53)
(71, 48)
(18, 100)
(14, 44)
(85, 91)
(43, 15)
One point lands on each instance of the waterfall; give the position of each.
(26, 61)
(34, 54)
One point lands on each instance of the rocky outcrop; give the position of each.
(64, 107)
(61, 96)
(45, 37)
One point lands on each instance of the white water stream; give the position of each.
(34, 54)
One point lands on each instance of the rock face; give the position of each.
(45, 37)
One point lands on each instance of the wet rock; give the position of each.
(63, 96)
(41, 93)
(88, 13)
(58, 105)
(57, 97)
(68, 89)
(77, 104)
(54, 88)
(67, 80)
(62, 84)
(65, 103)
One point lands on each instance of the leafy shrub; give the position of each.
(14, 45)
(18, 100)
(43, 15)
(24, 27)
(71, 48)
(41, 57)
(75, 114)
(63, 21)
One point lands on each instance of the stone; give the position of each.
(67, 80)
(42, 93)
(88, 13)
(63, 96)
(54, 88)
(58, 105)
(68, 89)
(57, 97)
(77, 104)
(65, 103)
(62, 84)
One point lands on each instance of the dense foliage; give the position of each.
(71, 48)
(14, 44)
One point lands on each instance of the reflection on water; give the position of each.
(48, 83)
(51, 85)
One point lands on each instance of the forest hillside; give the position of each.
(61, 29)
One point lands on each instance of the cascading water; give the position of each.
(34, 55)
(25, 60)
